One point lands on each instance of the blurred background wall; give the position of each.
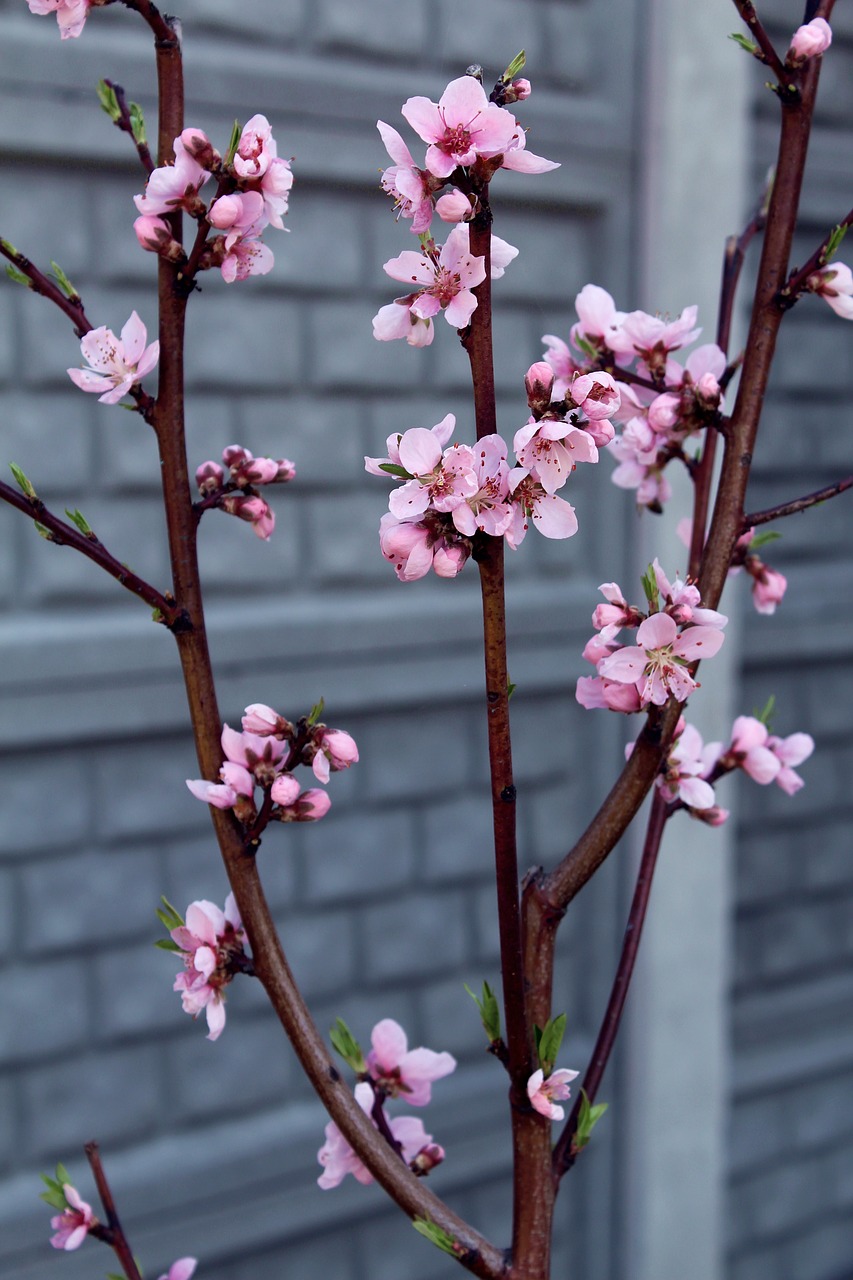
(386, 907)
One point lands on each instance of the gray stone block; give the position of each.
(124, 811)
(358, 858)
(133, 987)
(492, 34)
(22, 795)
(320, 949)
(65, 466)
(415, 936)
(243, 347)
(392, 746)
(45, 1010)
(71, 902)
(386, 29)
(249, 1066)
(322, 438)
(458, 839)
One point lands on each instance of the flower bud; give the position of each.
(707, 392)
(234, 455)
(286, 470)
(209, 477)
(517, 91)
(453, 207)
(427, 1159)
(285, 790)
(539, 384)
(809, 41)
(264, 721)
(449, 559)
(155, 235)
(199, 146)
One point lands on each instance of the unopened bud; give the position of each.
(286, 470)
(155, 235)
(707, 392)
(199, 146)
(453, 207)
(517, 91)
(539, 385)
(427, 1159)
(209, 477)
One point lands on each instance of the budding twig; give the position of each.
(112, 1234)
(796, 505)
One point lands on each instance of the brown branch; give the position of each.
(125, 124)
(47, 288)
(797, 279)
(93, 549)
(160, 24)
(788, 89)
(565, 1152)
(112, 1234)
(792, 508)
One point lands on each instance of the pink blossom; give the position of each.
(835, 285)
(809, 41)
(253, 509)
(285, 790)
(460, 126)
(550, 449)
(518, 158)
(414, 546)
(256, 149)
(441, 480)
(309, 806)
(561, 361)
(209, 477)
(183, 1269)
(681, 778)
(210, 941)
(176, 186)
(487, 508)
(596, 692)
(455, 206)
(261, 755)
(259, 719)
(596, 395)
(245, 254)
(552, 516)
(115, 364)
(768, 586)
(750, 751)
(445, 281)
(442, 431)
(410, 187)
(545, 1095)
(660, 658)
(501, 252)
(539, 385)
(610, 618)
(682, 601)
(71, 16)
(401, 1071)
(599, 323)
(338, 1158)
(336, 750)
(74, 1223)
(155, 235)
(652, 338)
(790, 751)
(396, 321)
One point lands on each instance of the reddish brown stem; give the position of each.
(768, 53)
(42, 284)
(125, 124)
(113, 1233)
(566, 1151)
(797, 279)
(754, 518)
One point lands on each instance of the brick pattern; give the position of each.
(791, 1179)
(386, 907)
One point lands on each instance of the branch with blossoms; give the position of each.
(616, 385)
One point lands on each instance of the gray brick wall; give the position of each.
(386, 907)
(791, 1194)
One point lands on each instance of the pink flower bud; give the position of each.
(768, 586)
(596, 395)
(707, 391)
(199, 146)
(312, 805)
(521, 90)
(255, 510)
(539, 385)
(449, 559)
(264, 721)
(810, 41)
(427, 1158)
(155, 235)
(286, 470)
(714, 817)
(258, 471)
(453, 207)
(285, 790)
(209, 477)
(234, 455)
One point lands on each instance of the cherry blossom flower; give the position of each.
(790, 751)
(518, 158)
(562, 362)
(183, 1269)
(768, 585)
(835, 285)
(685, 764)
(599, 323)
(462, 125)
(750, 752)
(336, 750)
(255, 510)
(501, 252)
(306, 806)
(115, 364)
(809, 41)
(597, 693)
(660, 658)
(262, 720)
(338, 1158)
(403, 1072)
(210, 942)
(74, 1223)
(71, 15)
(487, 508)
(545, 1095)
(596, 395)
(414, 546)
(552, 516)
(445, 281)
(396, 321)
(550, 449)
(455, 206)
(176, 186)
(410, 187)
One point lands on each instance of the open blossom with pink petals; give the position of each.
(768, 585)
(658, 662)
(682, 777)
(550, 449)
(790, 752)
(336, 750)
(183, 1269)
(74, 1223)
(338, 1158)
(257, 161)
(445, 279)
(764, 756)
(809, 41)
(546, 1094)
(211, 941)
(403, 1072)
(410, 188)
(71, 15)
(835, 285)
(115, 364)
(176, 186)
(461, 126)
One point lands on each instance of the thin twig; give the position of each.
(47, 288)
(787, 88)
(125, 124)
(797, 279)
(114, 1234)
(792, 508)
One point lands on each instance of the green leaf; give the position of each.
(762, 539)
(171, 917)
(345, 1043)
(316, 711)
(650, 588)
(490, 1014)
(233, 142)
(548, 1042)
(62, 280)
(137, 124)
(437, 1236)
(77, 518)
(18, 277)
(766, 715)
(7, 246)
(834, 241)
(24, 484)
(745, 43)
(394, 469)
(166, 944)
(588, 1118)
(514, 68)
(108, 100)
(111, 1275)
(586, 347)
(510, 689)
(43, 531)
(55, 1199)
(63, 1177)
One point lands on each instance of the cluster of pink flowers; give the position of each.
(392, 1070)
(252, 193)
(469, 137)
(449, 494)
(768, 585)
(237, 494)
(211, 943)
(264, 755)
(691, 768)
(655, 422)
(676, 632)
(71, 15)
(115, 364)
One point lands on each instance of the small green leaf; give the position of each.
(55, 1199)
(62, 280)
(137, 124)
(586, 347)
(171, 917)
(588, 1118)
(109, 101)
(762, 539)
(166, 944)
(233, 142)
(510, 689)
(548, 1042)
(77, 518)
(490, 1014)
(316, 711)
(7, 246)
(18, 277)
(745, 43)
(394, 470)
(111, 1275)
(834, 241)
(766, 715)
(43, 531)
(437, 1236)
(345, 1043)
(514, 68)
(24, 484)
(63, 1177)
(650, 588)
